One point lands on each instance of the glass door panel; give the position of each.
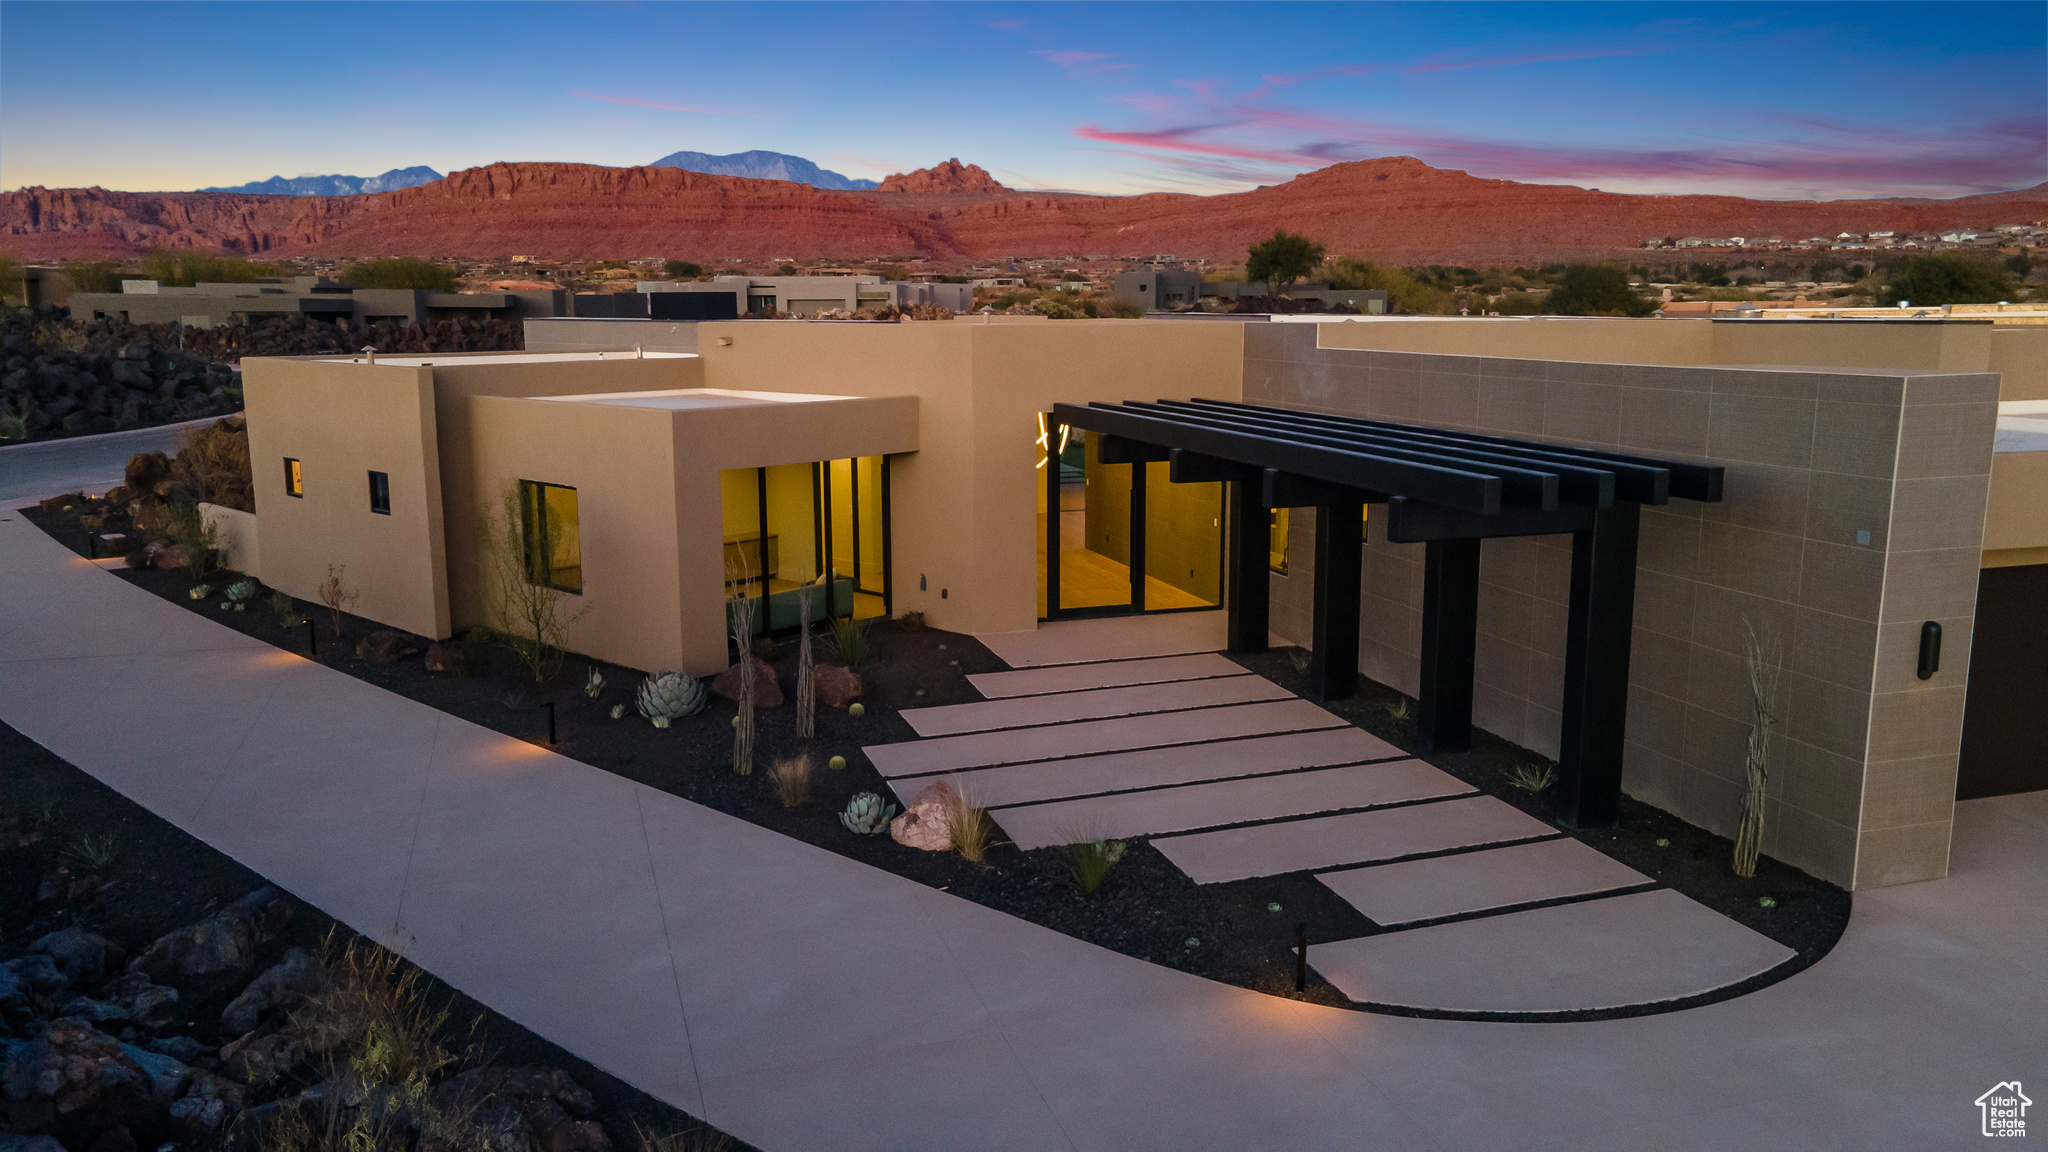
(1183, 542)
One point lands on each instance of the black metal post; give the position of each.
(1450, 628)
(1301, 957)
(1137, 550)
(1052, 518)
(550, 706)
(1251, 588)
(1596, 653)
(92, 551)
(312, 637)
(1333, 662)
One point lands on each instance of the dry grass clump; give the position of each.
(700, 1140)
(375, 1040)
(792, 780)
(973, 832)
(1090, 856)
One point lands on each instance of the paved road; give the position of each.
(804, 1001)
(81, 463)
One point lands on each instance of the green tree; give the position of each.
(187, 268)
(92, 276)
(1406, 293)
(1944, 278)
(1595, 290)
(401, 272)
(1281, 260)
(13, 280)
(2019, 264)
(682, 269)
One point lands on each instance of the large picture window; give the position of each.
(554, 547)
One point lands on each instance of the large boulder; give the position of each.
(382, 647)
(78, 1083)
(206, 1109)
(835, 687)
(927, 823)
(282, 985)
(256, 1059)
(223, 942)
(84, 957)
(767, 693)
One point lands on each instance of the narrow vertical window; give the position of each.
(380, 493)
(1276, 541)
(294, 478)
(554, 544)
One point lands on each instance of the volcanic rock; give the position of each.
(287, 982)
(223, 942)
(767, 693)
(927, 822)
(84, 957)
(835, 687)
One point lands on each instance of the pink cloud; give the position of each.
(669, 107)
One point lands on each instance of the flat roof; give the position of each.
(684, 399)
(2022, 426)
(428, 359)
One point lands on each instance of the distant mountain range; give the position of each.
(759, 165)
(337, 185)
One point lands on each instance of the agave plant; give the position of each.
(594, 684)
(668, 696)
(240, 593)
(200, 591)
(618, 711)
(867, 814)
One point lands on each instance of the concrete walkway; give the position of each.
(804, 1001)
(80, 463)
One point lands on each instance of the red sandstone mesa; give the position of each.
(1397, 209)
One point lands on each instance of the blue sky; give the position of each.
(1776, 100)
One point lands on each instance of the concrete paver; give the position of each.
(1101, 703)
(1225, 802)
(1351, 838)
(1019, 745)
(1109, 674)
(1044, 1041)
(1473, 881)
(1115, 638)
(1157, 767)
(1609, 952)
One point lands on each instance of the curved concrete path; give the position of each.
(803, 1001)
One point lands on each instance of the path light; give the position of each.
(312, 639)
(550, 706)
(1301, 957)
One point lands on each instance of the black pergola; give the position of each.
(1447, 491)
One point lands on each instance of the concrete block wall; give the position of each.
(1853, 511)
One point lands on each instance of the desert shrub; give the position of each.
(13, 280)
(192, 532)
(1948, 278)
(401, 272)
(526, 613)
(1090, 856)
(335, 593)
(1053, 308)
(912, 621)
(682, 269)
(849, 641)
(1596, 290)
(213, 462)
(1516, 304)
(13, 427)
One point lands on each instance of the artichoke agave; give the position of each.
(240, 593)
(594, 685)
(668, 696)
(867, 814)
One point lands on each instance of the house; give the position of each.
(809, 295)
(316, 297)
(911, 467)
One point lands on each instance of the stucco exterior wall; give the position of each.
(341, 421)
(1854, 510)
(965, 505)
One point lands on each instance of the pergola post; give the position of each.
(1333, 662)
(1450, 629)
(1596, 652)
(1250, 590)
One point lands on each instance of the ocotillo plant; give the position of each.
(740, 610)
(806, 689)
(1761, 657)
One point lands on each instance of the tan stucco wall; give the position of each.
(2019, 354)
(341, 421)
(651, 522)
(237, 538)
(2018, 516)
(965, 505)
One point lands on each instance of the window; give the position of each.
(294, 478)
(1276, 544)
(380, 493)
(554, 547)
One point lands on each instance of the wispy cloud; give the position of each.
(1249, 139)
(1003, 25)
(1525, 58)
(669, 107)
(1084, 63)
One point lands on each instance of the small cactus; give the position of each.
(594, 684)
(668, 696)
(836, 763)
(867, 814)
(855, 709)
(618, 711)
